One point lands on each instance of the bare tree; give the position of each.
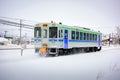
(118, 34)
(118, 31)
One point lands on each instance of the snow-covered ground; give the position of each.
(14, 46)
(103, 65)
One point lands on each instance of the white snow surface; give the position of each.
(3, 39)
(102, 65)
(14, 46)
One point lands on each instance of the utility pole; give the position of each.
(21, 36)
(20, 31)
(5, 33)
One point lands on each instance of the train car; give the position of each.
(52, 38)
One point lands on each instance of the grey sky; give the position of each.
(101, 15)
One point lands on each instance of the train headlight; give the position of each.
(43, 50)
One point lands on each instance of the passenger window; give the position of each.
(60, 33)
(84, 36)
(77, 35)
(87, 36)
(95, 36)
(73, 34)
(81, 35)
(90, 36)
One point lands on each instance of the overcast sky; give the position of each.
(101, 15)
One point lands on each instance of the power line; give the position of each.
(18, 19)
(9, 18)
(16, 24)
(6, 22)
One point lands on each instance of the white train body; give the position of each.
(64, 38)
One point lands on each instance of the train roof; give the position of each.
(79, 28)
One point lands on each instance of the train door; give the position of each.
(65, 39)
(44, 35)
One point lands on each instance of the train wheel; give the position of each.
(57, 54)
(95, 49)
(99, 48)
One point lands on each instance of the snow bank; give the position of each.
(3, 39)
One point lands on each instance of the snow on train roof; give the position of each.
(79, 28)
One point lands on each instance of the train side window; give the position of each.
(85, 36)
(96, 37)
(93, 36)
(61, 33)
(73, 35)
(90, 36)
(81, 35)
(77, 35)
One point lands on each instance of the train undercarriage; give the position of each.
(60, 51)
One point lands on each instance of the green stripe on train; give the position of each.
(81, 30)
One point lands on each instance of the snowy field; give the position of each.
(103, 65)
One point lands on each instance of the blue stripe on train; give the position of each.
(37, 39)
(61, 40)
(82, 41)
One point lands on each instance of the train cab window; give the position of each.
(77, 35)
(37, 32)
(60, 33)
(81, 35)
(73, 35)
(52, 32)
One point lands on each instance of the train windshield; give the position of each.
(37, 32)
(52, 32)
